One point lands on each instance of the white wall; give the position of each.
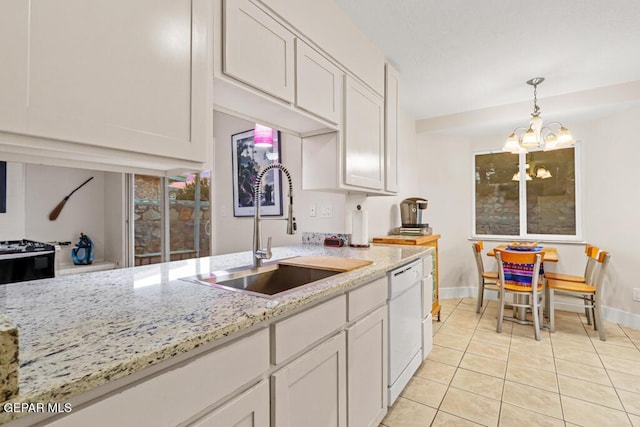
(233, 234)
(97, 209)
(45, 187)
(610, 153)
(384, 211)
(12, 223)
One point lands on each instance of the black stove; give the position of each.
(23, 246)
(22, 260)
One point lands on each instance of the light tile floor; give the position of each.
(475, 376)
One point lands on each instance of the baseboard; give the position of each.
(610, 314)
(461, 292)
(624, 318)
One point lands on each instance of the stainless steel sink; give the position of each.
(268, 281)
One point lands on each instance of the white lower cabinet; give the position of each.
(367, 369)
(250, 409)
(312, 390)
(173, 396)
(325, 366)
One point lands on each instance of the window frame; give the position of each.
(578, 237)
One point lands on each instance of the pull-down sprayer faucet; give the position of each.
(260, 253)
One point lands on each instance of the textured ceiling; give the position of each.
(463, 55)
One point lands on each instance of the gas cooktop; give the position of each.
(22, 246)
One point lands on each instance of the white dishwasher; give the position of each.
(405, 326)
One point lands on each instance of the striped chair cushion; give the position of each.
(519, 274)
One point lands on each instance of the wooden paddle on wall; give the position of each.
(56, 211)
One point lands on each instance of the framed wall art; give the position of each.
(248, 159)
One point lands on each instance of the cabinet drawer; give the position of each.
(427, 265)
(176, 395)
(296, 333)
(403, 277)
(367, 297)
(427, 295)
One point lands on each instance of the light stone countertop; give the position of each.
(79, 332)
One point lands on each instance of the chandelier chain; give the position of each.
(536, 109)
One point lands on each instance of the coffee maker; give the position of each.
(413, 217)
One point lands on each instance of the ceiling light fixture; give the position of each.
(537, 136)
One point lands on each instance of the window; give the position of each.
(528, 195)
(171, 218)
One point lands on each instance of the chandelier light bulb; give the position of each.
(565, 137)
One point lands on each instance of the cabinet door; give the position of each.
(250, 409)
(367, 370)
(121, 74)
(311, 391)
(14, 24)
(391, 112)
(258, 50)
(318, 83)
(364, 143)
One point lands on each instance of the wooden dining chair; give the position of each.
(590, 293)
(591, 253)
(486, 279)
(592, 256)
(519, 274)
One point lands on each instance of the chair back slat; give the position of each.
(477, 254)
(603, 261)
(592, 256)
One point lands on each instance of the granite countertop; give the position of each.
(79, 332)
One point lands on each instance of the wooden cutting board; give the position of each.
(326, 262)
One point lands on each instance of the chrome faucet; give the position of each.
(260, 253)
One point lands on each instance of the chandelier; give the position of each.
(536, 136)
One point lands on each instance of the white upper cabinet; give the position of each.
(329, 27)
(123, 75)
(363, 136)
(391, 112)
(14, 24)
(318, 83)
(258, 50)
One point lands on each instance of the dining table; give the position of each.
(550, 253)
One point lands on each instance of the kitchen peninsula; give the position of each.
(85, 339)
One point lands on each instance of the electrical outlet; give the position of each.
(326, 211)
(312, 209)
(329, 211)
(636, 294)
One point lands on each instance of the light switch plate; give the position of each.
(636, 294)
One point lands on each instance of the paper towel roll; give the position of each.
(359, 228)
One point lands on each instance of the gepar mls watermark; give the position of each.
(37, 407)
